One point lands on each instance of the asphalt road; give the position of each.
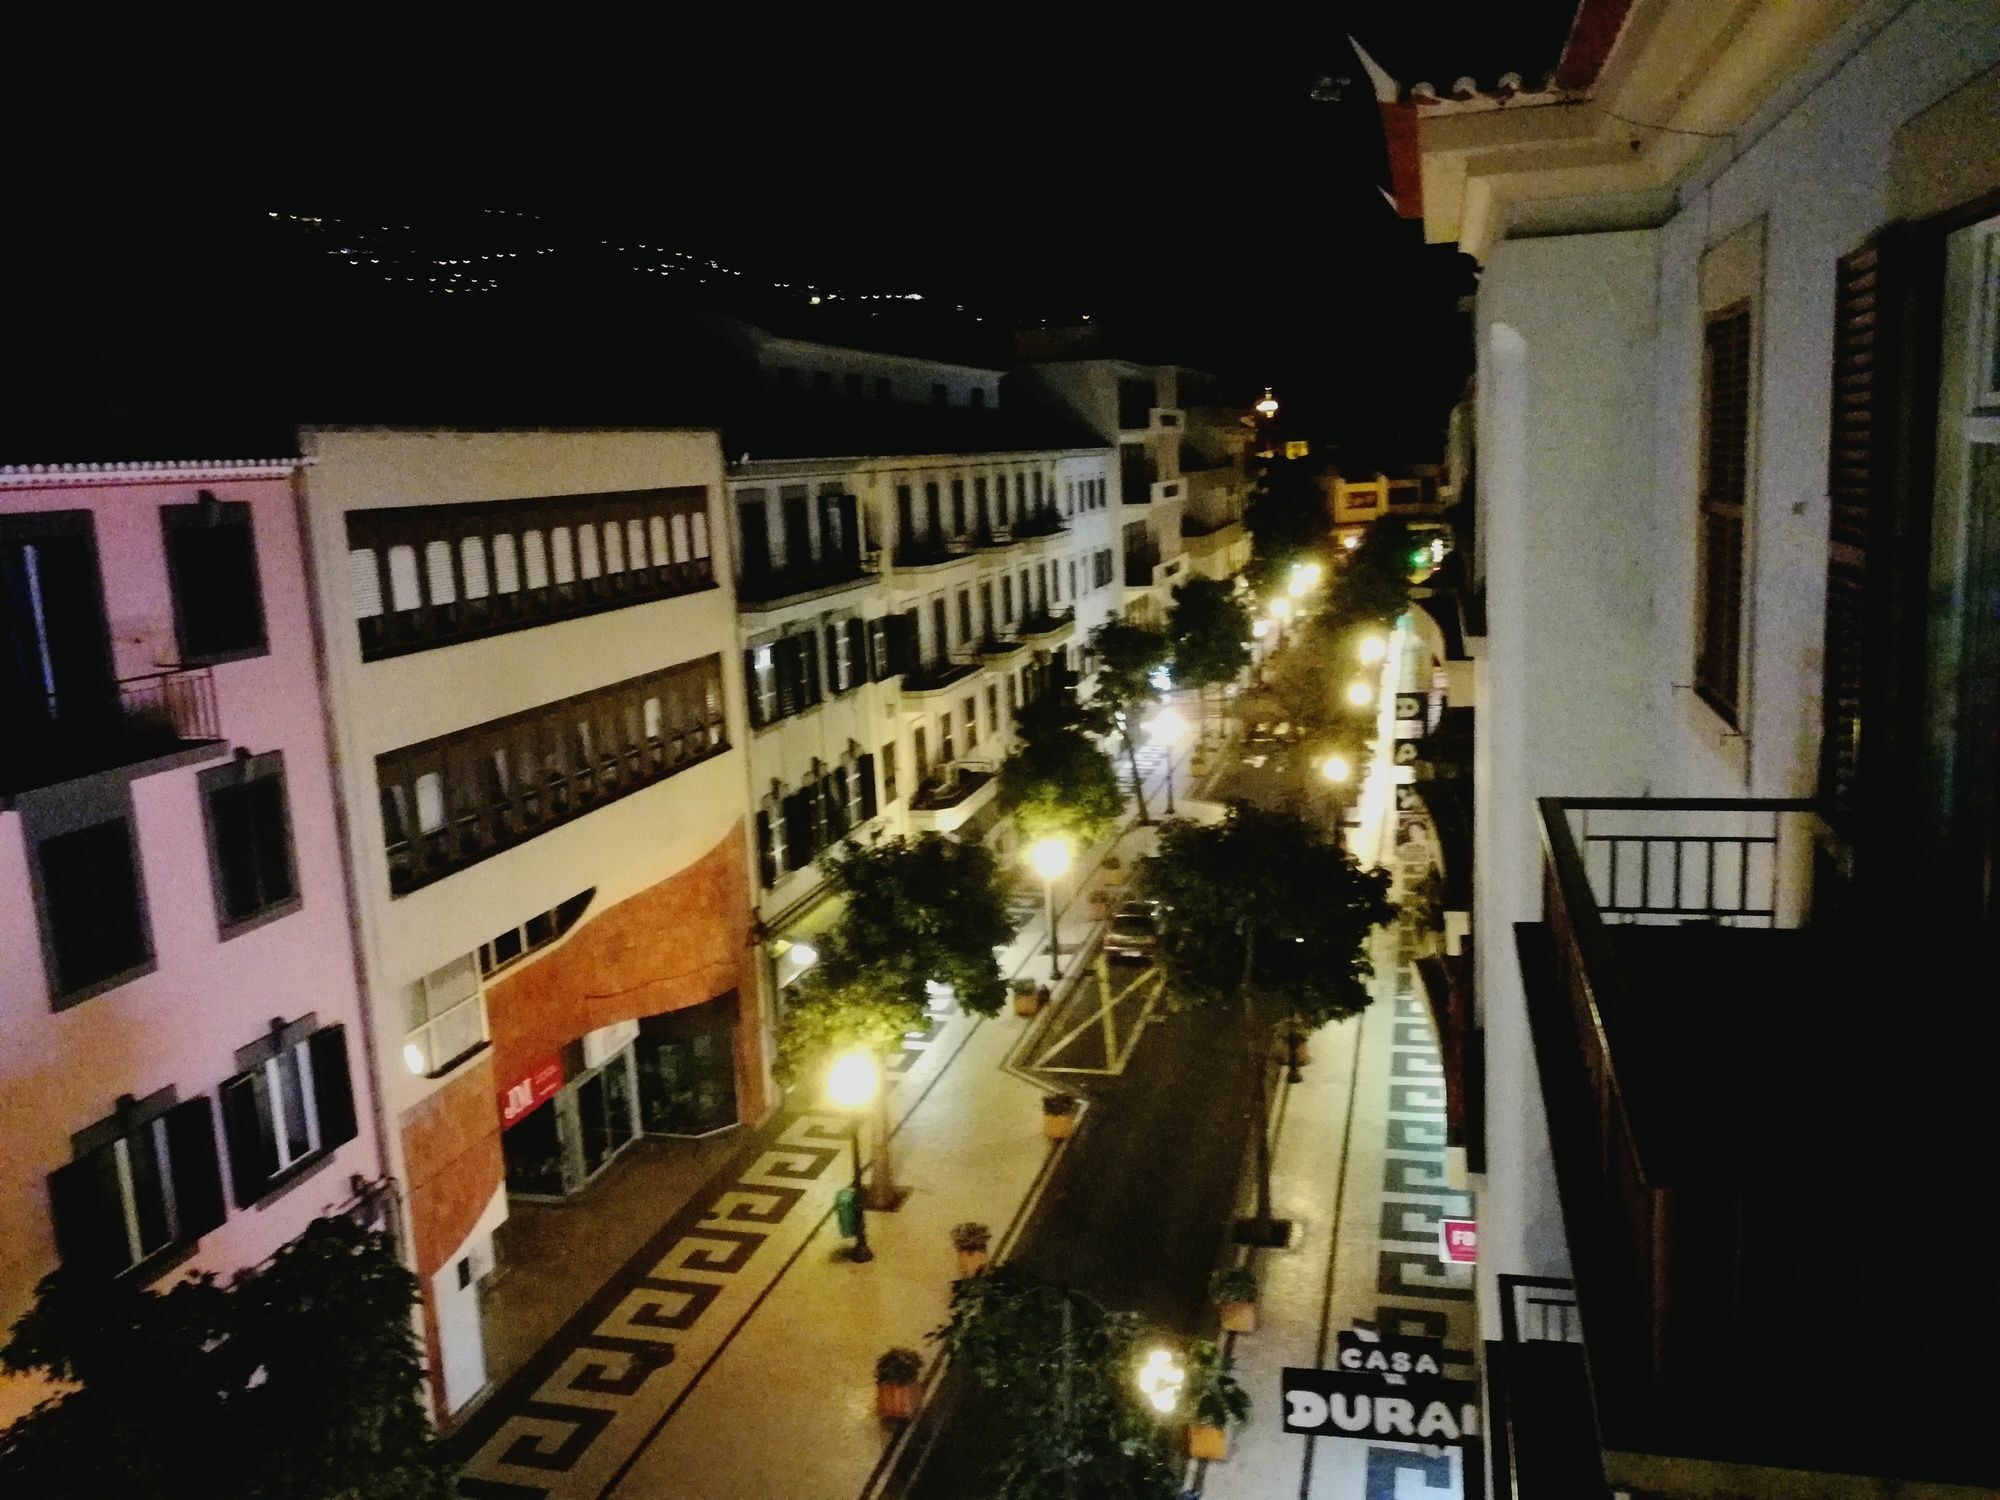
(1138, 1212)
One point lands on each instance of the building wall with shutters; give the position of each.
(655, 829)
(64, 1066)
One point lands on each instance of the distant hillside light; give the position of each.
(1268, 407)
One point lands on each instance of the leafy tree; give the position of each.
(927, 910)
(1289, 520)
(1267, 916)
(1373, 588)
(1127, 657)
(299, 1382)
(1059, 1367)
(1057, 781)
(1209, 628)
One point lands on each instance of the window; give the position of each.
(958, 507)
(947, 751)
(770, 846)
(93, 908)
(978, 395)
(965, 635)
(537, 932)
(212, 563)
(1726, 360)
(249, 841)
(446, 1018)
(992, 708)
(145, 1184)
(970, 708)
(1007, 599)
(290, 1105)
(853, 387)
(889, 771)
(940, 395)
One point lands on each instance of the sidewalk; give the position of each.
(733, 1355)
(1358, 1164)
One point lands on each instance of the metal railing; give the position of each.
(174, 705)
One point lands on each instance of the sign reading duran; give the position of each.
(1458, 1242)
(1355, 1403)
(544, 1081)
(1395, 1360)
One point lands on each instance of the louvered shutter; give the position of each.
(750, 692)
(835, 683)
(89, 1216)
(1860, 491)
(767, 855)
(333, 1087)
(879, 657)
(197, 1169)
(865, 769)
(798, 830)
(857, 653)
(246, 1121)
(809, 655)
(785, 653)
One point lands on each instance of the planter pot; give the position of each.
(1058, 1127)
(897, 1402)
(1100, 907)
(1239, 1317)
(1301, 1053)
(971, 1262)
(1027, 1002)
(1211, 1443)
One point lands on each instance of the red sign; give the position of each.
(544, 1081)
(1458, 1241)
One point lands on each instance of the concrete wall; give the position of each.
(180, 1025)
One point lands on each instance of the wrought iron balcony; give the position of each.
(148, 723)
(937, 675)
(771, 585)
(1043, 625)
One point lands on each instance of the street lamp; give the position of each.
(1281, 608)
(1160, 1380)
(1268, 407)
(1360, 694)
(1167, 729)
(1050, 857)
(1335, 768)
(1373, 649)
(851, 1083)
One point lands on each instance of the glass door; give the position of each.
(687, 1071)
(605, 1114)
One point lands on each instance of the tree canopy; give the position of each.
(920, 910)
(1127, 657)
(1288, 519)
(1209, 630)
(297, 1382)
(1057, 781)
(1373, 587)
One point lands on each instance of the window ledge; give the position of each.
(292, 1177)
(272, 913)
(63, 1000)
(457, 1062)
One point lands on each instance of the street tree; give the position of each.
(1057, 781)
(1209, 630)
(1127, 657)
(1059, 1370)
(1266, 917)
(1373, 587)
(298, 1381)
(1288, 520)
(919, 911)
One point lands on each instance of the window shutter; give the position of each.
(246, 1120)
(798, 832)
(767, 854)
(865, 769)
(809, 655)
(880, 658)
(197, 1171)
(835, 683)
(836, 804)
(857, 653)
(89, 1220)
(333, 1087)
(786, 656)
(750, 690)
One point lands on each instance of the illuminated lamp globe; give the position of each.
(1050, 857)
(1335, 768)
(1373, 649)
(1360, 694)
(852, 1079)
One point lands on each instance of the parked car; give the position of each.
(1134, 931)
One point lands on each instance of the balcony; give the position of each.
(1744, 1123)
(1045, 629)
(156, 723)
(1000, 651)
(1044, 522)
(769, 588)
(931, 552)
(937, 676)
(952, 796)
(1139, 567)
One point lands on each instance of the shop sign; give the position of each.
(1458, 1242)
(1359, 1403)
(543, 1081)
(1395, 1360)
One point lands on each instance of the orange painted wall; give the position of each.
(674, 944)
(451, 1145)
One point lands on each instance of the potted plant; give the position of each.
(1058, 1115)
(970, 1240)
(896, 1387)
(1293, 1038)
(1235, 1291)
(1112, 870)
(1028, 996)
(1100, 904)
(1217, 1401)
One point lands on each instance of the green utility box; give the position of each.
(847, 1211)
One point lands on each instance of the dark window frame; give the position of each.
(333, 1118)
(244, 769)
(204, 514)
(88, 803)
(193, 1163)
(1722, 524)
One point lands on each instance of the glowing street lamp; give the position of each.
(1335, 768)
(852, 1082)
(1161, 1378)
(1268, 407)
(1296, 585)
(1350, 542)
(1168, 729)
(1260, 628)
(1360, 694)
(1373, 649)
(1281, 608)
(1050, 858)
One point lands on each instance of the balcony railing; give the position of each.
(931, 552)
(175, 706)
(936, 675)
(1139, 568)
(1045, 623)
(158, 716)
(769, 585)
(1044, 522)
(1736, 1155)
(951, 787)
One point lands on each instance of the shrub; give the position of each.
(971, 1236)
(899, 1367)
(1059, 1104)
(1233, 1284)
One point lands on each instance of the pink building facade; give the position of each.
(184, 1074)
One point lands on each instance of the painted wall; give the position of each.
(181, 1024)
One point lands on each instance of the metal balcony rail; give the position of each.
(175, 705)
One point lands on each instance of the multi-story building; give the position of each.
(184, 1064)
(1135, 409)
(898, 608)
(1418, 493)
(1216, 469)
(530, 649)
(1735, 773)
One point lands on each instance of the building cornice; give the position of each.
(146, 471)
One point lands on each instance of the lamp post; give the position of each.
(851, 1083)
(1050, 857)
(1160, 1379)
(1168, 729)
(1338, 771)
(1359, 693)
(1373, 648)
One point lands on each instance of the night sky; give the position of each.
(1190, 195)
